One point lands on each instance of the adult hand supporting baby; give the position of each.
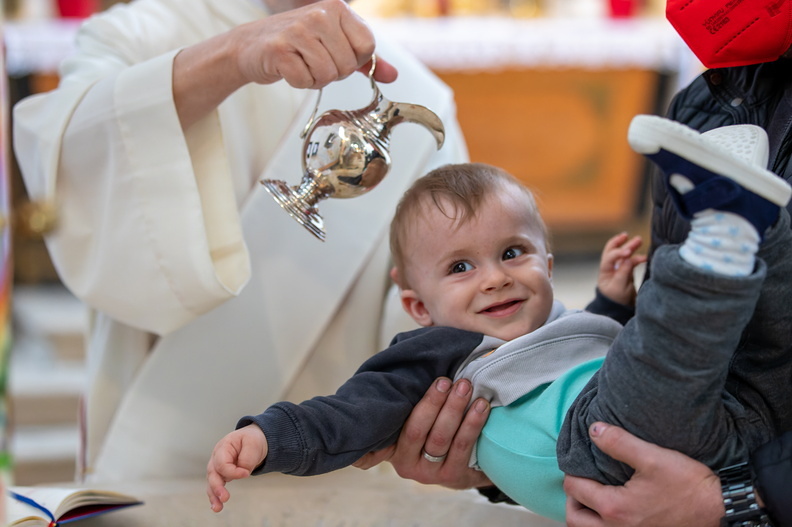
(667, 489)
(440, 426)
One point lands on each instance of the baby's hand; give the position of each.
(234, 457)
(617, 264)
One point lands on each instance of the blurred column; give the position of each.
(6, 274)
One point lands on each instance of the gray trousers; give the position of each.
(704, 367)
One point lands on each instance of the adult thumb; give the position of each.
(619, 443)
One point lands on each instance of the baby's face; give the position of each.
(490, 275)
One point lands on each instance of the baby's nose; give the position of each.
(496, 278)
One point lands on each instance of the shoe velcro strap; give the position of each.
(710, 194)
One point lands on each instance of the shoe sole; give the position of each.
(648, 134)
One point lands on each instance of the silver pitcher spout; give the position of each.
(346, 154)
(387, 114)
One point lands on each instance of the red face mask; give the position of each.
(726, 33)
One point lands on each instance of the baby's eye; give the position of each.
(512, 252)
(461, 267)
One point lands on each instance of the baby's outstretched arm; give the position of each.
(617, 264)
(234, 457)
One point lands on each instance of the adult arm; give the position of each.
(148, 228)
(367, 412)
(308, 47)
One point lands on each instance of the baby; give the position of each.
(472, 262)
(471, 257)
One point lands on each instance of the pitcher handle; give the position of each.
(310, 122)
(311, 119)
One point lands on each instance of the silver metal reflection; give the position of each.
(345, 154)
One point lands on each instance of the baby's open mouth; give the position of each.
(502, 307)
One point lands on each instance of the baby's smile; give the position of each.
(503, 308)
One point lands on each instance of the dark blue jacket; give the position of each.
(396, 378)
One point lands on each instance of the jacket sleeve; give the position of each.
(602, 305)
(772, 464)
(367, 412)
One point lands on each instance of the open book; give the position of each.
(45, 506)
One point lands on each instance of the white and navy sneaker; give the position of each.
(723, 169)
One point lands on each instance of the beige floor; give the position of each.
(346, 498)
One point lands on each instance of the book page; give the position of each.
(59, 501)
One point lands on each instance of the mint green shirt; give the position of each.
(517, 447)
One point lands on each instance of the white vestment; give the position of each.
(208, 301)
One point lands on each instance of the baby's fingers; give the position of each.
(216, 479)
(638, 259)
(633, 244)
(216, 491)
(615, 241)
(627, 265)
(615, 250)
(230, 472)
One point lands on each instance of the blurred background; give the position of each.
(544, 88)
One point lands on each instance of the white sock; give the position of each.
(721, 242)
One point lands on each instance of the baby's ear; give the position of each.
(395, 276)
(415, 307)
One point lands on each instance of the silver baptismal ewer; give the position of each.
(345, 154)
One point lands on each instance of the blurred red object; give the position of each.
(77, 8)
(623, 8)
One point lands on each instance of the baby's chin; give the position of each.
(509, 336)
(509, 333)
(504, 331)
